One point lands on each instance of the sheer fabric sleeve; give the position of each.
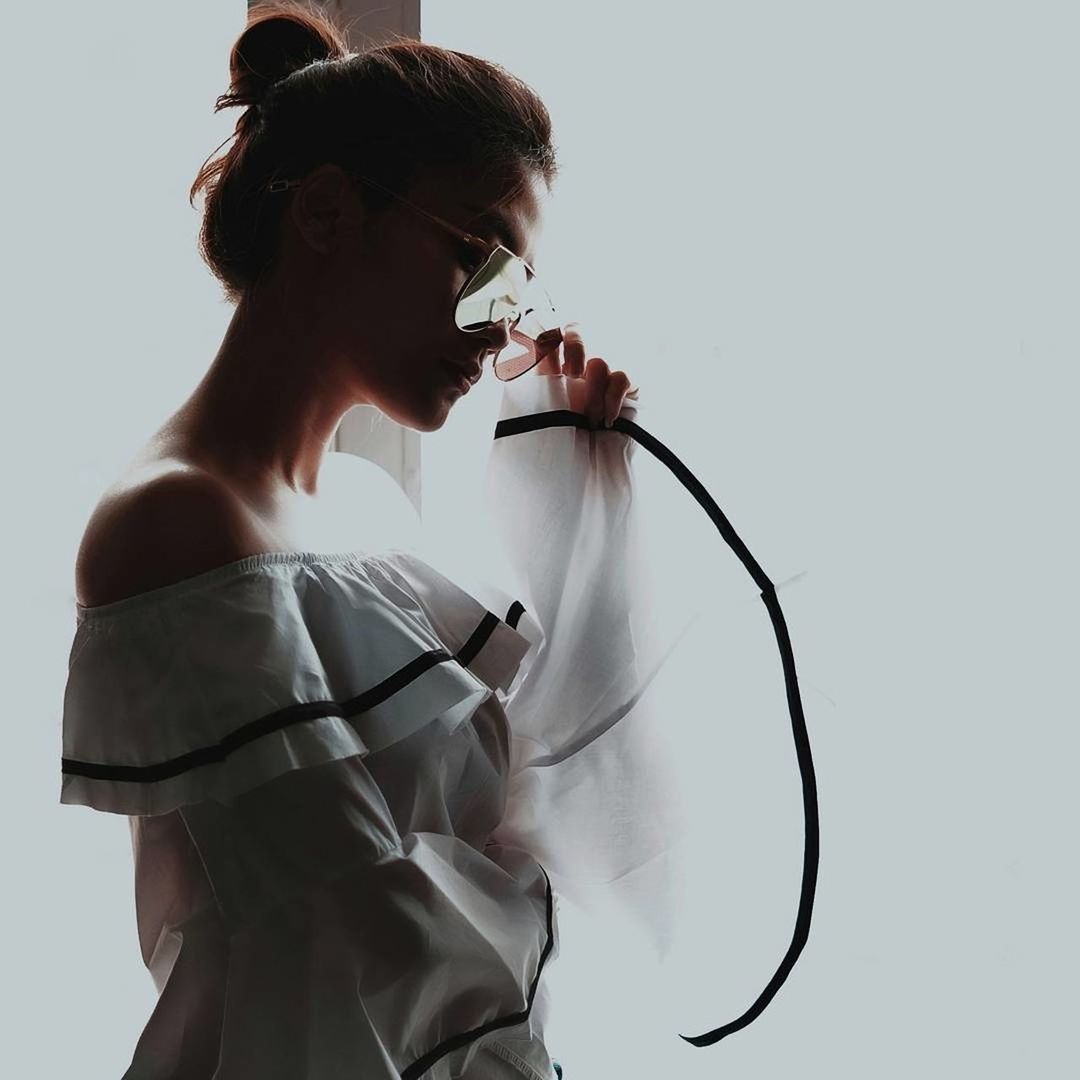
(594, 792)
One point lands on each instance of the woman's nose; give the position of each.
(497, 335)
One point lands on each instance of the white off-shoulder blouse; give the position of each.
(356, 788)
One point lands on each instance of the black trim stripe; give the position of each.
(286, 717)
(467, 652)
(205, 755)
(513, 616)
(455, 1042)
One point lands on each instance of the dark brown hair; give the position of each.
(390, 113)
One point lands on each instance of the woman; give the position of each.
(313, 749)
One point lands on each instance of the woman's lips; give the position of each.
(461, 380)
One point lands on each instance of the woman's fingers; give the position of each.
(573, 349)
(605, 390)
(618, 386)
(596, 384)
(548, 345)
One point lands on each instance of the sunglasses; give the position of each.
(502, 289)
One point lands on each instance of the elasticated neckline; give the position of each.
(238, 568)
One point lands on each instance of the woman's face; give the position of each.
(395, 304)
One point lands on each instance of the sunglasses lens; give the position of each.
(493, 293)
(500, 290)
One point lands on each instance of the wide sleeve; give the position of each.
(356, 944)
(594, 793)
(253, 706)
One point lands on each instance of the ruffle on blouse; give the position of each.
(283, 661)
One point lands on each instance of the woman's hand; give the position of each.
(605, 390)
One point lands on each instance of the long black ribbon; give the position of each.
(567, 418)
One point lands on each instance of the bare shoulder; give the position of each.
(156, 531)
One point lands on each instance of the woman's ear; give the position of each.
(326, 207)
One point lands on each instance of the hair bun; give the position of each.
(279, 38)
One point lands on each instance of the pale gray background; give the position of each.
(870, 363)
